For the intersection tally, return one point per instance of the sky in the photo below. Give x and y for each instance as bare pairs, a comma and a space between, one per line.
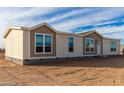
107, 21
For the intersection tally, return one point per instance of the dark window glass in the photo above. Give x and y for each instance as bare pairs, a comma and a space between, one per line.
43, 43
47, 49
70, 44
39, 49
92, 49
113, 46
114, 49
87, 49
90, 45
39, 43
111, 49
70, 49
48, 43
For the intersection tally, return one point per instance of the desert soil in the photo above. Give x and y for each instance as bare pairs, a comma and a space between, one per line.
87, 71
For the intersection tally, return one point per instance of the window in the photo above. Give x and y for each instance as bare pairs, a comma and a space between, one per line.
47, 43
90, 45
39, 43
113, 46
43, 43
71, 44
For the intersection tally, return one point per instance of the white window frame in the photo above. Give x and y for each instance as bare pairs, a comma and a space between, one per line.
43, 44
94, 45
73, 43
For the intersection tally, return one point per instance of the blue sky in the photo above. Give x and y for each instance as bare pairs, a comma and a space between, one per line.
107, 21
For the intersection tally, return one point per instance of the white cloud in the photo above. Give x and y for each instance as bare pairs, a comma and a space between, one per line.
11, 16
116, 36
94, 18
14, 13
110, 29
117, 32
72, 13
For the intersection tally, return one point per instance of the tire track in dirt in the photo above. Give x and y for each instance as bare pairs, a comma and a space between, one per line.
87, 79
53, 68
69, 72
51, 78
96, 79
13, 80
47, 76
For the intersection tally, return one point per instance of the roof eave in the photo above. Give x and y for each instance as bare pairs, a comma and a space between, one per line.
46, 24
110, 38
94, 31
15, 28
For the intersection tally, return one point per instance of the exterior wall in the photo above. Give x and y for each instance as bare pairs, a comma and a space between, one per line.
19, 45
26, 45
15, 60
62, 46
97, 38
14, 44
121, 49
107, 47
44, 30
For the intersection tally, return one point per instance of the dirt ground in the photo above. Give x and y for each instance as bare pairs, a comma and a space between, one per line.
87, 71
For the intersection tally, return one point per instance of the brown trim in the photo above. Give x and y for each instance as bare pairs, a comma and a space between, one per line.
97, 38
90, 32
44, 30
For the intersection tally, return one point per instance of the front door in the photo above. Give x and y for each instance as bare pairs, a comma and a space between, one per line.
98, 48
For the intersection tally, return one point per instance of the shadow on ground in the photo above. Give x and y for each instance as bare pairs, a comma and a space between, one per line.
112, 61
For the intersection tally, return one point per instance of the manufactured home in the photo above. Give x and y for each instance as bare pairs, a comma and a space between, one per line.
23, 44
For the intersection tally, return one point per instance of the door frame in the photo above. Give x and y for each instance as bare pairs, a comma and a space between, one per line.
99, 48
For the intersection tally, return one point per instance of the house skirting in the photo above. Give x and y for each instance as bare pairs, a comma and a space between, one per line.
14, 60
38, 61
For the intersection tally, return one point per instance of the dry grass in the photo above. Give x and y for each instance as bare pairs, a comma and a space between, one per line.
93, 71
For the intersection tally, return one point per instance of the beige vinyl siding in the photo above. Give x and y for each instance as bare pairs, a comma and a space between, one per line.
14, 44
107, 47
26, 44
62, 46
121, 49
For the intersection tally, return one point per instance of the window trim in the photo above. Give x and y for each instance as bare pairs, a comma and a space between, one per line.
68, 44
90, 48
43, 44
